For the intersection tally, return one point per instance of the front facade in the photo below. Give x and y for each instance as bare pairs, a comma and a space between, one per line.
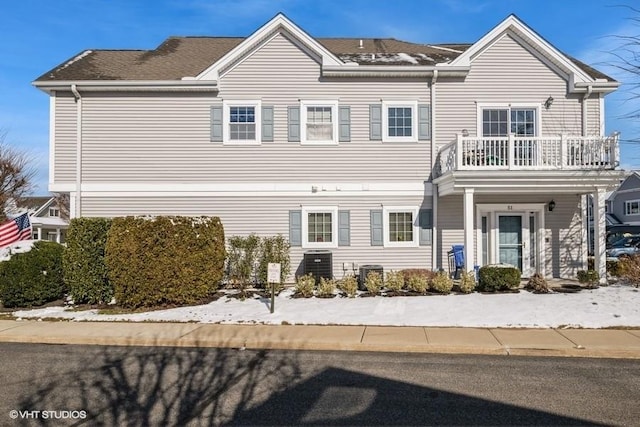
379, 151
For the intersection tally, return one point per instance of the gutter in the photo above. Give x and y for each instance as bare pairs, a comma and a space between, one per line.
585, 109
78, 100
187, 84
434, 195
393, 71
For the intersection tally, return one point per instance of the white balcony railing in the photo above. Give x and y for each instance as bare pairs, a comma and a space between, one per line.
529, 153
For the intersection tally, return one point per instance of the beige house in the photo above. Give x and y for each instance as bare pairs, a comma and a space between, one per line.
380, 151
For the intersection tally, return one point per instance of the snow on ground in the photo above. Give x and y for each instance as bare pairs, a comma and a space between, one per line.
610, 306
16, 248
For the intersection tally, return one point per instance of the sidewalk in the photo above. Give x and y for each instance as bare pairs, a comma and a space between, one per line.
614, 343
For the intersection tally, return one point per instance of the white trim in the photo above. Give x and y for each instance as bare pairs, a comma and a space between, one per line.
304, 105
44, 206
414, 121
628, 202
52, 137
306, 210
602, 119
226, 116
386, 210
481, 106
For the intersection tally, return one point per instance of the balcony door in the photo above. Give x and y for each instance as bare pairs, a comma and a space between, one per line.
518, 121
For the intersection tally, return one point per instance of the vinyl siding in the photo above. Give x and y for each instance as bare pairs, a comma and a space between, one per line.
507, 72
619, 210
65, 139
268, 216
563, 244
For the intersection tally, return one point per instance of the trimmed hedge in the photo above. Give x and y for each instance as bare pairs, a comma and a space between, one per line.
498, 278
85, 272
165, 260
34, 277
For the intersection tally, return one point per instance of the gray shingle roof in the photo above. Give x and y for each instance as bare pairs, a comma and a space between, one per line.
179, 57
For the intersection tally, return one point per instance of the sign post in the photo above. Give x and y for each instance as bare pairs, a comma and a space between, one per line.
273, 277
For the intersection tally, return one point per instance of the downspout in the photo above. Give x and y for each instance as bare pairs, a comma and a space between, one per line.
78, 100
585, 109
434, 188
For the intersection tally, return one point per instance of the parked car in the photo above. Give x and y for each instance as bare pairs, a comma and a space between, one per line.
626, 246
618, 231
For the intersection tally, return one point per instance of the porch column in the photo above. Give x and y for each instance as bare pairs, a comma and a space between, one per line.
39, 233
599, 234
469, 244
57, 235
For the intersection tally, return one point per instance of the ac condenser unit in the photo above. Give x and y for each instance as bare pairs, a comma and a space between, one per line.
319, 263
366, 269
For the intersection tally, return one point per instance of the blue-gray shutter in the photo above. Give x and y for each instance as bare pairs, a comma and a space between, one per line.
293, 124
216, 123
377, 238
375, 122
425, 223
344, 124
424, 122
344, 232
295, 228
267, 123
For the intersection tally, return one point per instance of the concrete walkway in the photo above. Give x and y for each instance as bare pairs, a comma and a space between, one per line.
535, 342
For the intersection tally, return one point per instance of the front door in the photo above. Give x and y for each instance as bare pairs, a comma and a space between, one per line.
513, 234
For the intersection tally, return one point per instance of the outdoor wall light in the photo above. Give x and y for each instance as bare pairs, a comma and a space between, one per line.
551, 206
548, 102
465, 133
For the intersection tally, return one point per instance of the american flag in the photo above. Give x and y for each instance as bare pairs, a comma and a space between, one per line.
16, 229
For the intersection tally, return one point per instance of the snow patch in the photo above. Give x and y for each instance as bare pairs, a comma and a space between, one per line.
16, 248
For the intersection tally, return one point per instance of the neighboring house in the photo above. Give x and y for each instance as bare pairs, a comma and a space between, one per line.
49, 220
624, 202
378, 150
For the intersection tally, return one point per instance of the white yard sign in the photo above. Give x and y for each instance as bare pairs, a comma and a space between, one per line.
273, 272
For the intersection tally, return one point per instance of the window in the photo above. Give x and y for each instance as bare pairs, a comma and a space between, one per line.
54, 212
520, 121
241, 122
400, 121
400, 226
632, 207
319, 122
320, 227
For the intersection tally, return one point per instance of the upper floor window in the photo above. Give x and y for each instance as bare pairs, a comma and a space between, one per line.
241, 122
400, 121
520, 121
54, 212
632, 207
319, 122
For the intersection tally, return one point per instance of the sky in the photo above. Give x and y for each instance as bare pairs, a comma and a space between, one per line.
38, 35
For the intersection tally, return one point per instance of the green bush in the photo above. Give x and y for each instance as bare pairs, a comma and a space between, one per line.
85, 273
467, 282
442, 283
589, 277
34, 277
165, 260
537, 283
305, 285
274, 249
394, 281
349, 285
242, 259
498, 278
327, 287
417, 283
373, 282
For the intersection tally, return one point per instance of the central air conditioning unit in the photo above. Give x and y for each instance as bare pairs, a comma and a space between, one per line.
319, 263
366, 269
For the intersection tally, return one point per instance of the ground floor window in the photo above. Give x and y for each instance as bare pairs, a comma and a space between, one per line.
400, 226
320, 227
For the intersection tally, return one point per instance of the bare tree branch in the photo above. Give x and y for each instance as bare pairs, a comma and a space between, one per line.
16, 174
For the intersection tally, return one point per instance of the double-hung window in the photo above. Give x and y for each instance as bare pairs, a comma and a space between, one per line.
320, 227
241, 122
400, 121
319, 122
632, 207
400, 226
54, 212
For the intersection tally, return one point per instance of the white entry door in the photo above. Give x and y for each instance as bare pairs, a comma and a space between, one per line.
514, 239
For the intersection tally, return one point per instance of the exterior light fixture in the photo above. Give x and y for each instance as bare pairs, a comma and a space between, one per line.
551, 206
548, 102
465, 133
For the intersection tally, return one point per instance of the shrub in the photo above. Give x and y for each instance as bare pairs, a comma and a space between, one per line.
428, 274
497, 278
629, 269
85, 272
613, 268
394, 281
327, 287
242, 259
373, 282
273, 249
537, 283
417, 283
349, 285
589, 277
305, 285
467, 282
442, 283
165, 260
34, 277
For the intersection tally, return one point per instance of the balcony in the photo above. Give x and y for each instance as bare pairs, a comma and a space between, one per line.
556, 153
